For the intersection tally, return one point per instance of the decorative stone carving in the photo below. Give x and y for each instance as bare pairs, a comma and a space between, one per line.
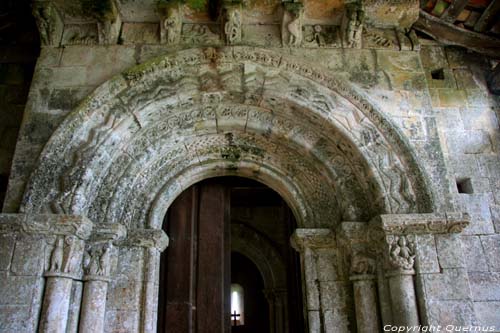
233, 24
171, 26
321, 36
402, 252
362, 264
352, 25
291, 30
56, 258
97, 260
49, 22
80, 34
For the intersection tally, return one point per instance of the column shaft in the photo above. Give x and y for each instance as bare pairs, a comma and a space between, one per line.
404, 301
55, 309
365, 299
93, 306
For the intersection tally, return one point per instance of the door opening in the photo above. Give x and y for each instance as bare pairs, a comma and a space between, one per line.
225, 233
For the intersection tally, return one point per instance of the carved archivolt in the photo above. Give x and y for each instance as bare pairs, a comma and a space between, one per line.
130, 148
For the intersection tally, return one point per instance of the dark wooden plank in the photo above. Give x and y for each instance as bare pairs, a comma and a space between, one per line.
489, 14
451, 13
211, 259
180, 224
450, 34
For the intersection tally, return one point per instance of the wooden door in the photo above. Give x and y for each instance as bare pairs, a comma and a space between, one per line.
195, 269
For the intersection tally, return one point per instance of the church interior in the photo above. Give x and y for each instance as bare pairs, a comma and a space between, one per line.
270, 166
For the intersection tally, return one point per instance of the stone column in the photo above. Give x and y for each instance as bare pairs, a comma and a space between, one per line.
98, 265
365, 293
65, 263
95, 287
278, 310
325, 292
400, 260
152, 242
395, 235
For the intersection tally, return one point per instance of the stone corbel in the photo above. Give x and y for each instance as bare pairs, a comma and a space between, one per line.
108, 23
232, 23
49, 22
171, 24
291, 24
352, 25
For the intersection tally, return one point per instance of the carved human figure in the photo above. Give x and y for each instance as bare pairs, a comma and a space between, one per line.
91, 261
70, 254
295, 29
173, 26
318, 37
56, 259
43, 14
232, 28
105, 260
354, 28
402, 253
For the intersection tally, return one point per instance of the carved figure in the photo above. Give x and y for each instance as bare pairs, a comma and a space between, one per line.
295, 30
402, 253
232, 28
91, 261
105, 259
361, 264
71, 254
173, 26
353, 27
43, 15
56, 259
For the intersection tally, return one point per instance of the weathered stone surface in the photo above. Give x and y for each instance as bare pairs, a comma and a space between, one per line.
485, 286
451, 284
450, 252
474, 254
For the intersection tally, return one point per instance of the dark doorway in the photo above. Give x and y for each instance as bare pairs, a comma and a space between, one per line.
198, 268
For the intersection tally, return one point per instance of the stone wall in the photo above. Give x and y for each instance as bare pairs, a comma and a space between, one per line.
468, 124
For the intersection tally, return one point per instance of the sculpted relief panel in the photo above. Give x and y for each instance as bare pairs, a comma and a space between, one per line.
230, 109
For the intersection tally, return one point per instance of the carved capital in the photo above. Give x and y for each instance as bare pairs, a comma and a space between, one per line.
399, 253
362, 264
99, 260
149, 238
66, 257
313, 239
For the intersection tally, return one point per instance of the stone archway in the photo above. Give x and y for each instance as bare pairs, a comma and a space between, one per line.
143, 137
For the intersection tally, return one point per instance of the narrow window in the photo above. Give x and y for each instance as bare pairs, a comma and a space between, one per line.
237, 305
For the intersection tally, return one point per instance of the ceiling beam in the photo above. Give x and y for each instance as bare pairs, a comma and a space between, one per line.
449, 34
